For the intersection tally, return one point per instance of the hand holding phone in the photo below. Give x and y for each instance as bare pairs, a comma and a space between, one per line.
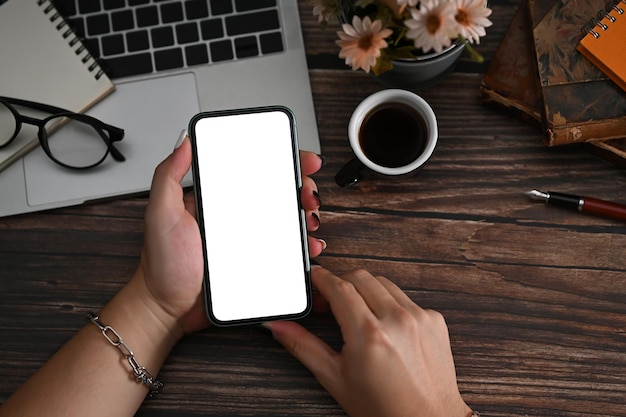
232, 150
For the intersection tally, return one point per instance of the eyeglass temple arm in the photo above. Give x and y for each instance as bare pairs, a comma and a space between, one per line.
117, 132
34, 105
115, 135
115, 153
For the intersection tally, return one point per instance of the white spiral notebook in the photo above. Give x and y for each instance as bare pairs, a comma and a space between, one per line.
44, 61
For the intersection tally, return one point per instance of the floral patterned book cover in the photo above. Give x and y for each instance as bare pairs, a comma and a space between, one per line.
580, 103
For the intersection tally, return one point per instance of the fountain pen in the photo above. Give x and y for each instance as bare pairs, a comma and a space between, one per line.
582, 204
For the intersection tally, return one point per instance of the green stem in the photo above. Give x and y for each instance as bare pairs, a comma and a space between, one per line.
399, 37
472, 52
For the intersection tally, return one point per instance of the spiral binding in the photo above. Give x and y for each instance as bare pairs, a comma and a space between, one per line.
73, 39
591, 25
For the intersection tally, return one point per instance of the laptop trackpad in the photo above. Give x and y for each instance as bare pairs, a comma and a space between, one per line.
152, 113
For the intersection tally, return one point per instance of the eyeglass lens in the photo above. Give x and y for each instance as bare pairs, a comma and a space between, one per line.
75, 143
8, 124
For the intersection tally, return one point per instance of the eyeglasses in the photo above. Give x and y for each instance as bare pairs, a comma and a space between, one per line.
82, 143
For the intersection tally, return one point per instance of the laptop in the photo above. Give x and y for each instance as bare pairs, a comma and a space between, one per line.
170, 60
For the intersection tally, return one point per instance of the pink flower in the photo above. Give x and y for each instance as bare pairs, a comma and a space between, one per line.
361, 42
471, 18
432, 26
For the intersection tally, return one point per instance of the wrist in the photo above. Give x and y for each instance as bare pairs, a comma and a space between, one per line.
145, 326
141, 373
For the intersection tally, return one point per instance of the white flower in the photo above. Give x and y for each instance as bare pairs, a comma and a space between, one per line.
325, 10
471, 18
432, 25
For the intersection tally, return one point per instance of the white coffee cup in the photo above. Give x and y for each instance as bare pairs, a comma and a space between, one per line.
392, 133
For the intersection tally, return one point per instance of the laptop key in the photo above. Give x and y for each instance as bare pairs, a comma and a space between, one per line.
168, 59
247, 5
219, 7
112, 44
196, 9
212, 29
122, 20
97, 25
88, 6
221, 51
187, 33
196, 54
113, 4
129, 65
147, 16
162, 36
137, 40
252, 22
271, 43
246, 47
172, 12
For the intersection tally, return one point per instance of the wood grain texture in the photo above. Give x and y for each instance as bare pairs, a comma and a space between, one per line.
535, 296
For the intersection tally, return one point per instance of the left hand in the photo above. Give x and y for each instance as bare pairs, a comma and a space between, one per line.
171, 261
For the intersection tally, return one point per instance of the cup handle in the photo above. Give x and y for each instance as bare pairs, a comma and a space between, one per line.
350, 173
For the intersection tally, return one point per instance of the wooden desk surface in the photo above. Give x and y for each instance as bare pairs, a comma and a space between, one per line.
535, 297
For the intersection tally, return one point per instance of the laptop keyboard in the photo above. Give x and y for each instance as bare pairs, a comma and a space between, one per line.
132, 37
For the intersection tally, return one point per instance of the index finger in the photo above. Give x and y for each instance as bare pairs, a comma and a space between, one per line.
347, 305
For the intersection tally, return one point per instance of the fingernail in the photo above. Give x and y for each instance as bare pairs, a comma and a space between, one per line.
317, 196
315, 264
323, 159
324, 244
317, 218
265, 330
181, 138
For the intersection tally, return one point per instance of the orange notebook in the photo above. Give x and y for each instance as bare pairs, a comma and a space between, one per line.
605, 42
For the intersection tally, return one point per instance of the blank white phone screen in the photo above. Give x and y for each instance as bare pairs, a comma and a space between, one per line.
255, 249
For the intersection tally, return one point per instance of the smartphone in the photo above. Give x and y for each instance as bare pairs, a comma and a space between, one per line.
246, 172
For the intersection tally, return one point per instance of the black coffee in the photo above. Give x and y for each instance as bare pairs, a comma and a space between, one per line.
393, 135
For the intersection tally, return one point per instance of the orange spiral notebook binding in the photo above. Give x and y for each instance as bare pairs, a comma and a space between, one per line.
604, 42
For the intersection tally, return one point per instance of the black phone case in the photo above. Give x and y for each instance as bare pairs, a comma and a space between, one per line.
199, 211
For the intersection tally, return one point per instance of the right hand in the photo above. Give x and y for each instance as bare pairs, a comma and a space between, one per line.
396, 360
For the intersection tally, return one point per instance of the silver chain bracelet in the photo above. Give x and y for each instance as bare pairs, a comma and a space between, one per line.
142, 375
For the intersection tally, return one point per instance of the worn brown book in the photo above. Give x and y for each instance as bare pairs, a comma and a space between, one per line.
580, 103
510, 83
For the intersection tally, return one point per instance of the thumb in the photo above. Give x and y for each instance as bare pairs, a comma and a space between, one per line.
166, 192
309, 349
170, 172
178, 163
